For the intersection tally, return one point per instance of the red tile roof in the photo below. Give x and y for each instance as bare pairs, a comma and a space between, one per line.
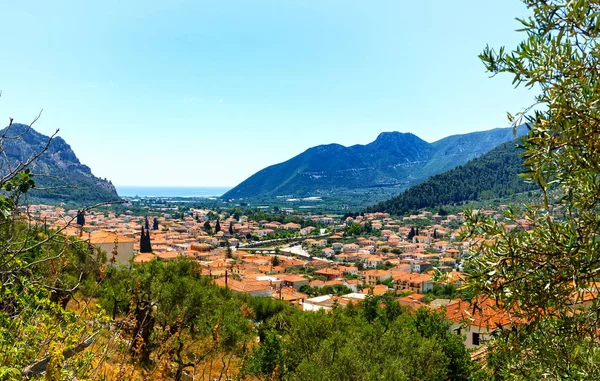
485, 313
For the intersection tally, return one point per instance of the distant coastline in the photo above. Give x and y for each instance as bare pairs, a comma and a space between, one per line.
167, 191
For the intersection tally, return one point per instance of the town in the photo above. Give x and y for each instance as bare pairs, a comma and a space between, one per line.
323, 262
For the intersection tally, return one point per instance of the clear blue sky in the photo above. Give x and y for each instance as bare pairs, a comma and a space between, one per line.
208, 92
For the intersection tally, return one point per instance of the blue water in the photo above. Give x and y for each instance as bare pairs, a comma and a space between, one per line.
141, 191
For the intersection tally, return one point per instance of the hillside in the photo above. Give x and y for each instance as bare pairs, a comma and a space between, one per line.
493, 175
58, 168
394, 159
466, 147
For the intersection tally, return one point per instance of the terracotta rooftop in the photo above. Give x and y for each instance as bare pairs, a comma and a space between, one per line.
100, 237
484, 314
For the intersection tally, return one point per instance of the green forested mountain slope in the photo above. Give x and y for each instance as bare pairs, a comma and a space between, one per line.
394, 159
492, 175
457, 149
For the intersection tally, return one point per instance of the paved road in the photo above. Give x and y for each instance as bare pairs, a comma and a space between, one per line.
295, 239
297, 250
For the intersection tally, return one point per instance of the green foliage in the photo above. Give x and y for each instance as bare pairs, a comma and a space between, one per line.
182, 302
377, 340
207, 227
30, 322
267, 359
167, 318
40, 271
542, 270
353, 229
275, 260
338, 289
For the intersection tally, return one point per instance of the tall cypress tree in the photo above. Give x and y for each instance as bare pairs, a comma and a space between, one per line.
142, 241
145, 246
148, 244
231, 228
411, 234
80, 218
155, 224
229, 251
147, 223
218, 227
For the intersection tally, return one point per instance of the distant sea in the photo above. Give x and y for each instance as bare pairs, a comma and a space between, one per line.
141, 191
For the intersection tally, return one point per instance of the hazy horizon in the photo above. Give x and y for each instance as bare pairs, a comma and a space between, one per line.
170, 191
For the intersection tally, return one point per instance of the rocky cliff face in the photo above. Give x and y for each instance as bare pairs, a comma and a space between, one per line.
57, 169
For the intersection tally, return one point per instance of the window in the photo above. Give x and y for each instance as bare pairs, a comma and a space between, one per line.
475, 338
457, 331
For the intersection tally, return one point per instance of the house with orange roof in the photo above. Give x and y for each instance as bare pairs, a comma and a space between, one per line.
328, 302
347, 257
350, 248
432, 257
376, 290
329, 273
452, 253
366, 242
447, 261
307, 230
289, 262
372, 261
413, 301
290, 295
402, 267
254, 288
328, 252
317, 283
292, 280
348, 269
109, 241
317, 264
272, 225
419, 283
373, 277
144, 257
336, 282
367, 250
190, 254
277, 269
167, 255
321, 243
477, 322
292, 226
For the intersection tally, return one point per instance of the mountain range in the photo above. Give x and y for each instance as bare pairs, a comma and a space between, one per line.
58, 169
493, 175
394, 159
